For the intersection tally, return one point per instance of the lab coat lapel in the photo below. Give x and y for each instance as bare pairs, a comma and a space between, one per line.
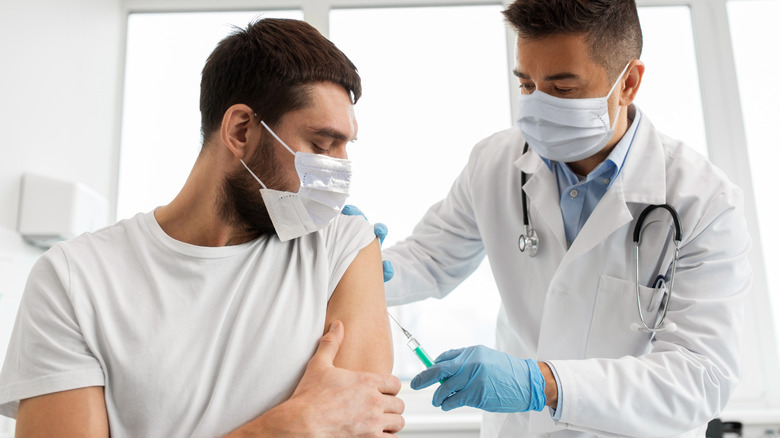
541, 189
642, 180
610, 214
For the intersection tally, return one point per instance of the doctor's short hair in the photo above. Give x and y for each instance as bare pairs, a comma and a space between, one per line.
614, 34
270, 66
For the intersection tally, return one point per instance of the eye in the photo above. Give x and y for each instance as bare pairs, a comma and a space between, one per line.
527, 88
317, 149
563, 91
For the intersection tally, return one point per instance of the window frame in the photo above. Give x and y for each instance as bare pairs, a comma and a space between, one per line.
724, 126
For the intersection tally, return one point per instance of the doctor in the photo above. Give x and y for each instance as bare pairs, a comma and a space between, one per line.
571, 359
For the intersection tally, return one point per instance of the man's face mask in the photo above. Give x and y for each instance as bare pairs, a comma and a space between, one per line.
322, 195
566, 130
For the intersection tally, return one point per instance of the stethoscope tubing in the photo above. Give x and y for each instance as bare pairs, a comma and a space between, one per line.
530, 241
659, 326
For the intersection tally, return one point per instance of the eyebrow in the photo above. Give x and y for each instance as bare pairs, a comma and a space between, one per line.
330, 133
555, 77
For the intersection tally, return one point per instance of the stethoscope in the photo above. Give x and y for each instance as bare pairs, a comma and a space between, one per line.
529, 241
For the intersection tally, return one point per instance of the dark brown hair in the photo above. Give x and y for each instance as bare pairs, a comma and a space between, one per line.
270, 67
613, 32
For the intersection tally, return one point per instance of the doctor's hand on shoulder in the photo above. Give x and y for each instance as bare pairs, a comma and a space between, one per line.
333, 402
490, 380
380, 231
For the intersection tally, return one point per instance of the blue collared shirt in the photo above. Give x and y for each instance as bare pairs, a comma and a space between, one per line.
579, 195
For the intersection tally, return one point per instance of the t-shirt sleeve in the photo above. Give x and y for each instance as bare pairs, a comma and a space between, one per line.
345, 237
47, 352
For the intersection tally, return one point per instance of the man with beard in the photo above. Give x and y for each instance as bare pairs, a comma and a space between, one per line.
199, 317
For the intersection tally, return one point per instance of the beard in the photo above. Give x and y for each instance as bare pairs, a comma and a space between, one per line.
241, 203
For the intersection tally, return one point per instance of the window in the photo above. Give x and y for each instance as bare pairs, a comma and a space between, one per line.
751, 22
670, 93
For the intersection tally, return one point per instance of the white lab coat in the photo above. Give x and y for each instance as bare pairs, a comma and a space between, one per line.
574, 307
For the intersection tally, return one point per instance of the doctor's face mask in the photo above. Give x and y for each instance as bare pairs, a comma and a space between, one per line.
324, 189
566, 130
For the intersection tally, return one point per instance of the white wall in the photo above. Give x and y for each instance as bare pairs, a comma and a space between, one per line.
60, 65
59, 85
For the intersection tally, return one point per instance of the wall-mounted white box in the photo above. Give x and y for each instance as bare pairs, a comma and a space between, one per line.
51, 210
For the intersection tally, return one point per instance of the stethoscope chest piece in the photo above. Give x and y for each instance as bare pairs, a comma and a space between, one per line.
528, 241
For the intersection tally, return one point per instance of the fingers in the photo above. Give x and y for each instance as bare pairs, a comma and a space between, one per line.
456, 400
458, 383
447, 364
393, 405
351, 210
329, 345
387, 270
449, 355
389, 384
393, 423
433, 374
380, 231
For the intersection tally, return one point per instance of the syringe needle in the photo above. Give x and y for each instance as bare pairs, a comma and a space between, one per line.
406, 333
414, 345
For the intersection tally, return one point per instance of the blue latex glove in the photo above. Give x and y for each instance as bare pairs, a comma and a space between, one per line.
484, 378
380, 231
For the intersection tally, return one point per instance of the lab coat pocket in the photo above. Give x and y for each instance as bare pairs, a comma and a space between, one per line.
611, 333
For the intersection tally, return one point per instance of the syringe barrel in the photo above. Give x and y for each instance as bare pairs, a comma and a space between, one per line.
418, 350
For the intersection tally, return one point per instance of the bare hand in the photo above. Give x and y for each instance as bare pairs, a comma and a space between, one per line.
334, 402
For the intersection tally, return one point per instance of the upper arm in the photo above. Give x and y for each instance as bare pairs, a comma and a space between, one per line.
74, 413
359, 302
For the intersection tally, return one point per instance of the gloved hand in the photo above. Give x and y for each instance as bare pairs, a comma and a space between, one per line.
484, 378
380, 231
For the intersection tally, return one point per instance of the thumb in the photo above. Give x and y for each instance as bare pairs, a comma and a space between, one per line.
329, 345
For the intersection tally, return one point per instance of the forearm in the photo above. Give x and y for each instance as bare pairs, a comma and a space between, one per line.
550, 385
286, 420
444, 249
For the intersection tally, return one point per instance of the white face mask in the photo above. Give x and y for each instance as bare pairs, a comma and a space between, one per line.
323, 193
566, 130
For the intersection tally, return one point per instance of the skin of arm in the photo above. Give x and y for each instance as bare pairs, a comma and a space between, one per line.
550, 385
75, 413
359, 302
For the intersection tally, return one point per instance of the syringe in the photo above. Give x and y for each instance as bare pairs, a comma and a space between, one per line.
414, 345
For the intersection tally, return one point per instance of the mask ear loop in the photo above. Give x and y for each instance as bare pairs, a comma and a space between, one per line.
253, 174
613, 89
277, 137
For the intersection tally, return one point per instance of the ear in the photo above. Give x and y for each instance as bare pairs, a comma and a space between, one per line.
631, 82
238, 130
